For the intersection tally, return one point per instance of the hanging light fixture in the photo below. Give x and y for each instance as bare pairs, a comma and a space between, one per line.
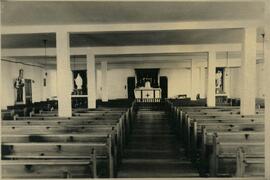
45, 59
263, 56
263, 35
45, 55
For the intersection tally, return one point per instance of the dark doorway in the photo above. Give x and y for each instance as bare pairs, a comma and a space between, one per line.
28, 91
164, 86
131, 87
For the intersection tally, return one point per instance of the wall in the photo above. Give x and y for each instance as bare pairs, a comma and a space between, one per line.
10, 71
179, 81
235, 81
51, 84
117, 82
260, 80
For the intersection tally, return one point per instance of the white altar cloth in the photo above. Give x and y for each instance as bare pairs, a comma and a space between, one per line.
147, 93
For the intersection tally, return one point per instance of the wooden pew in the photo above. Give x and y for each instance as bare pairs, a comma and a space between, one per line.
35, 168
78, 125
21, 109
206, 143
233, 122
38, 131
77, 118
52, 147
186, 118
199, 128
224, 155
191, 126
249, 165
7, 114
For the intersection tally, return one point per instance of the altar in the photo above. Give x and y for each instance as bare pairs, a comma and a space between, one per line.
147, 93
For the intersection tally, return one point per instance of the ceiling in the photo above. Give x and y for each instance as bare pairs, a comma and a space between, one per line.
17, 13
131, 58
128, 38
94, 12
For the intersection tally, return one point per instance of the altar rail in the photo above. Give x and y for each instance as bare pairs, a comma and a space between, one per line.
148, 100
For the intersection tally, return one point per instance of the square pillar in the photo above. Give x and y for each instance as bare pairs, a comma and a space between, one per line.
104, 83
211, 84
63, 74
202, 82
227, 81
1, 84
248, 71
91, 80
266, 82
194, 79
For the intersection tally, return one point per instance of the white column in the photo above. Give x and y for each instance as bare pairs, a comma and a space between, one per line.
63, 74
248, 72
202, 82
91, 80
266, 82
1, 85
211, 84
104, 83
194, 80
227, 81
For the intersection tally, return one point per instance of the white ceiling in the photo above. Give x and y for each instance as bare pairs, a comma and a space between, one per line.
81, 12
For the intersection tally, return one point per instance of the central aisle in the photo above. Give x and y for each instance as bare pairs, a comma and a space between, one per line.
153, 150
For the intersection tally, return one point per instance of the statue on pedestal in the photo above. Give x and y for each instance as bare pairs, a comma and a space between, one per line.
78, 82
147, 85
18, 85
218, 82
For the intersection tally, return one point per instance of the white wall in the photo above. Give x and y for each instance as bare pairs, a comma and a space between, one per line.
236, 79
117, 82
179, 81
51, 88
235, 82
259, 80
10, 71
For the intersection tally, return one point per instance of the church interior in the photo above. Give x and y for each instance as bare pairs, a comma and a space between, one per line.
135, 89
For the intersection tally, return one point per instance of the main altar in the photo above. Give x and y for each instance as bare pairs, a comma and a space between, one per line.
147, 93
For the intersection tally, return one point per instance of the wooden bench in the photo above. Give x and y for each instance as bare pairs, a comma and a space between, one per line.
191, 125
47, 126
44, 147
224, 155
47, 142
197, 129
7, 114
250, 165
60, 168
196, 125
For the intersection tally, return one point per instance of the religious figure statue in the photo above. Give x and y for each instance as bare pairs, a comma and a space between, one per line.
79, 82
218, 81
147, 85
18, 85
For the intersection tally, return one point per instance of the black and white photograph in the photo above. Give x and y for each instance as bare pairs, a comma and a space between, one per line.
126, 89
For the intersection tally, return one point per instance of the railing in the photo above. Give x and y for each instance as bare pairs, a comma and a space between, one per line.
148, 100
